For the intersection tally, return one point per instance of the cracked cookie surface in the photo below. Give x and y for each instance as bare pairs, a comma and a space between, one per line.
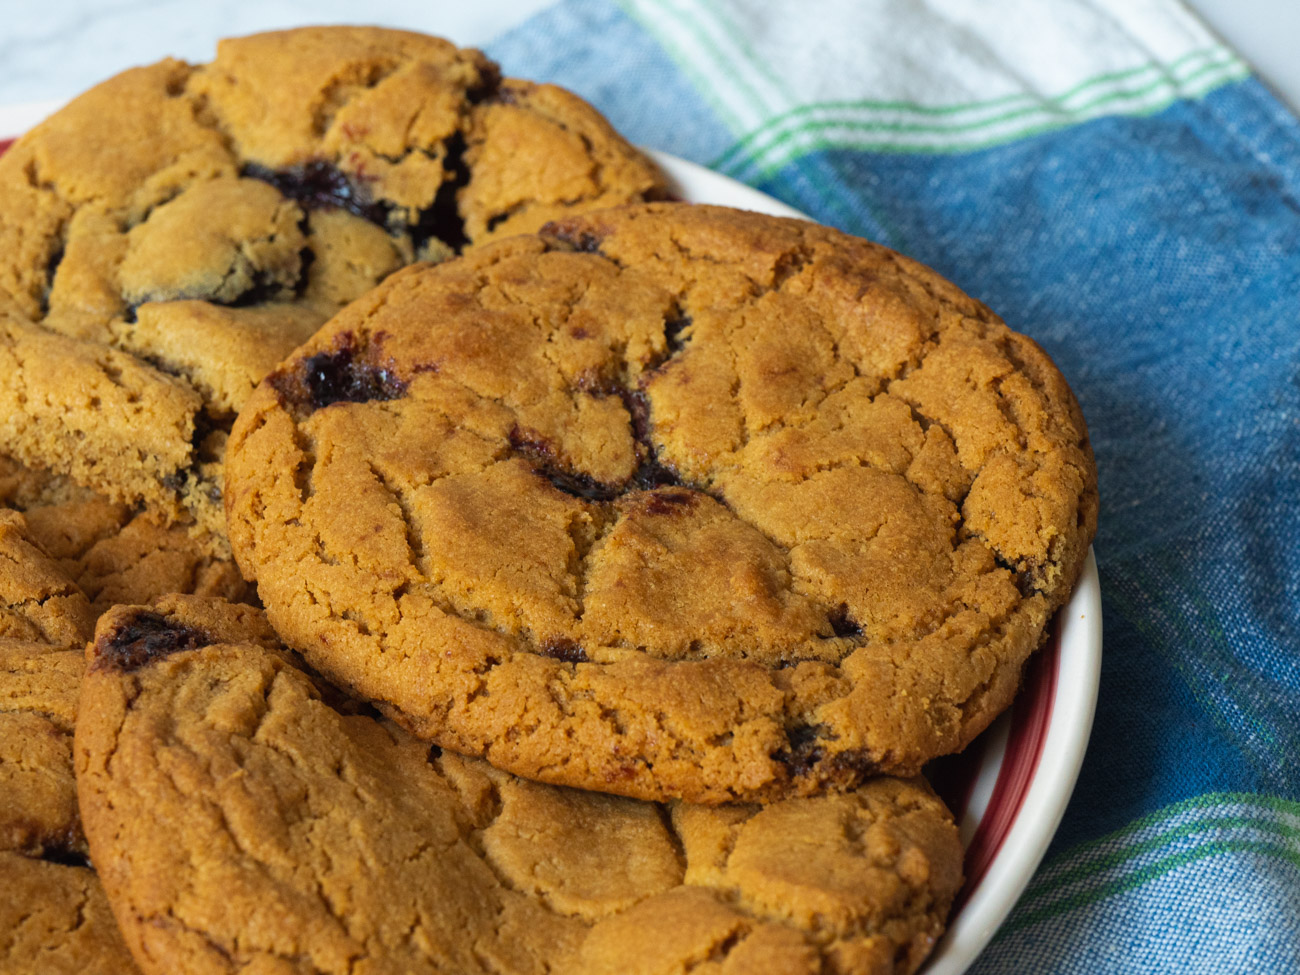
55, 920
38, 710
174, 232
39, 602
112, 552
244, 823
53, 915
673, 502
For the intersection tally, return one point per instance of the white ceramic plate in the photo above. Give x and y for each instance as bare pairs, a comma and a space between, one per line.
1009, 789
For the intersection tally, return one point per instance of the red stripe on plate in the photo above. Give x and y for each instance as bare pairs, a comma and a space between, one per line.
1030, 718
5, 144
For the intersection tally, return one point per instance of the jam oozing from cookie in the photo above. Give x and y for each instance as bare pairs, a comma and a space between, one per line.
488, 87
318, 185
673, 329
443, 220
805, 753
582, 241
51, 269
344, 374
650, 473
145, 637
804, 750
65, 857
671, 502
564, 649
541, 454
267, 287
842, 623
339, 377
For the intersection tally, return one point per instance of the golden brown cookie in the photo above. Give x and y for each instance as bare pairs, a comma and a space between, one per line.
671, 501
115, 554
53, 916
172, 233
54, 920
38, 601
39, 685
241, 823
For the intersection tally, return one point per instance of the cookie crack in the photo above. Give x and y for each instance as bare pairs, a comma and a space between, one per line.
331, 104
584, 542
418, 554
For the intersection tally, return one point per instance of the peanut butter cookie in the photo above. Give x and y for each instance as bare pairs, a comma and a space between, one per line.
173, 233
113, 552
669, 501
54, 920
242, 823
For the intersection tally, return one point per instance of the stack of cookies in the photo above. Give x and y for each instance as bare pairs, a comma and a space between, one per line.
480, 566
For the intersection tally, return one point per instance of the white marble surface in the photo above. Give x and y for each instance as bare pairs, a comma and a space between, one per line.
52, 49
1266, 33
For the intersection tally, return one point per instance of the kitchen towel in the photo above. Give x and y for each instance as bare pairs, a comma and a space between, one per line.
1112, 181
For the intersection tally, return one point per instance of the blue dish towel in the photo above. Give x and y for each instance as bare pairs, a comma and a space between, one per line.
1113, 182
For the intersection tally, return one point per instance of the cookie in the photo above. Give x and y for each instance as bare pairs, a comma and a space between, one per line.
38, 709
53, 915
245, 824
174, 232
114, 554
55, 920
39, 688
38, 601
672, 502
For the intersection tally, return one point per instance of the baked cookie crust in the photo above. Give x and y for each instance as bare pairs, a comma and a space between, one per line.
112, 552
55, 920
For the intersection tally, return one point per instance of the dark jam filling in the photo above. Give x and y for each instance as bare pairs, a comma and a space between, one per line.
650, 472
345, 374
319, 186
842, 624
803, 749
338, 377
266, 288
804, 755
673, 330
65, 858
564, 649
144, 637
443, 220
582, 241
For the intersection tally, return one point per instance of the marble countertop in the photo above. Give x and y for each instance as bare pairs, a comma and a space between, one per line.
53, 49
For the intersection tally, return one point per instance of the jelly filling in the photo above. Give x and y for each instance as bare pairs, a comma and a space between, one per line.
442, 219
842, 624
317, 185
344, 374
564, 649
145, 637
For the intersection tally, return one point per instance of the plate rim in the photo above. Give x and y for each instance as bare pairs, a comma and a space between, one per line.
1076, 686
